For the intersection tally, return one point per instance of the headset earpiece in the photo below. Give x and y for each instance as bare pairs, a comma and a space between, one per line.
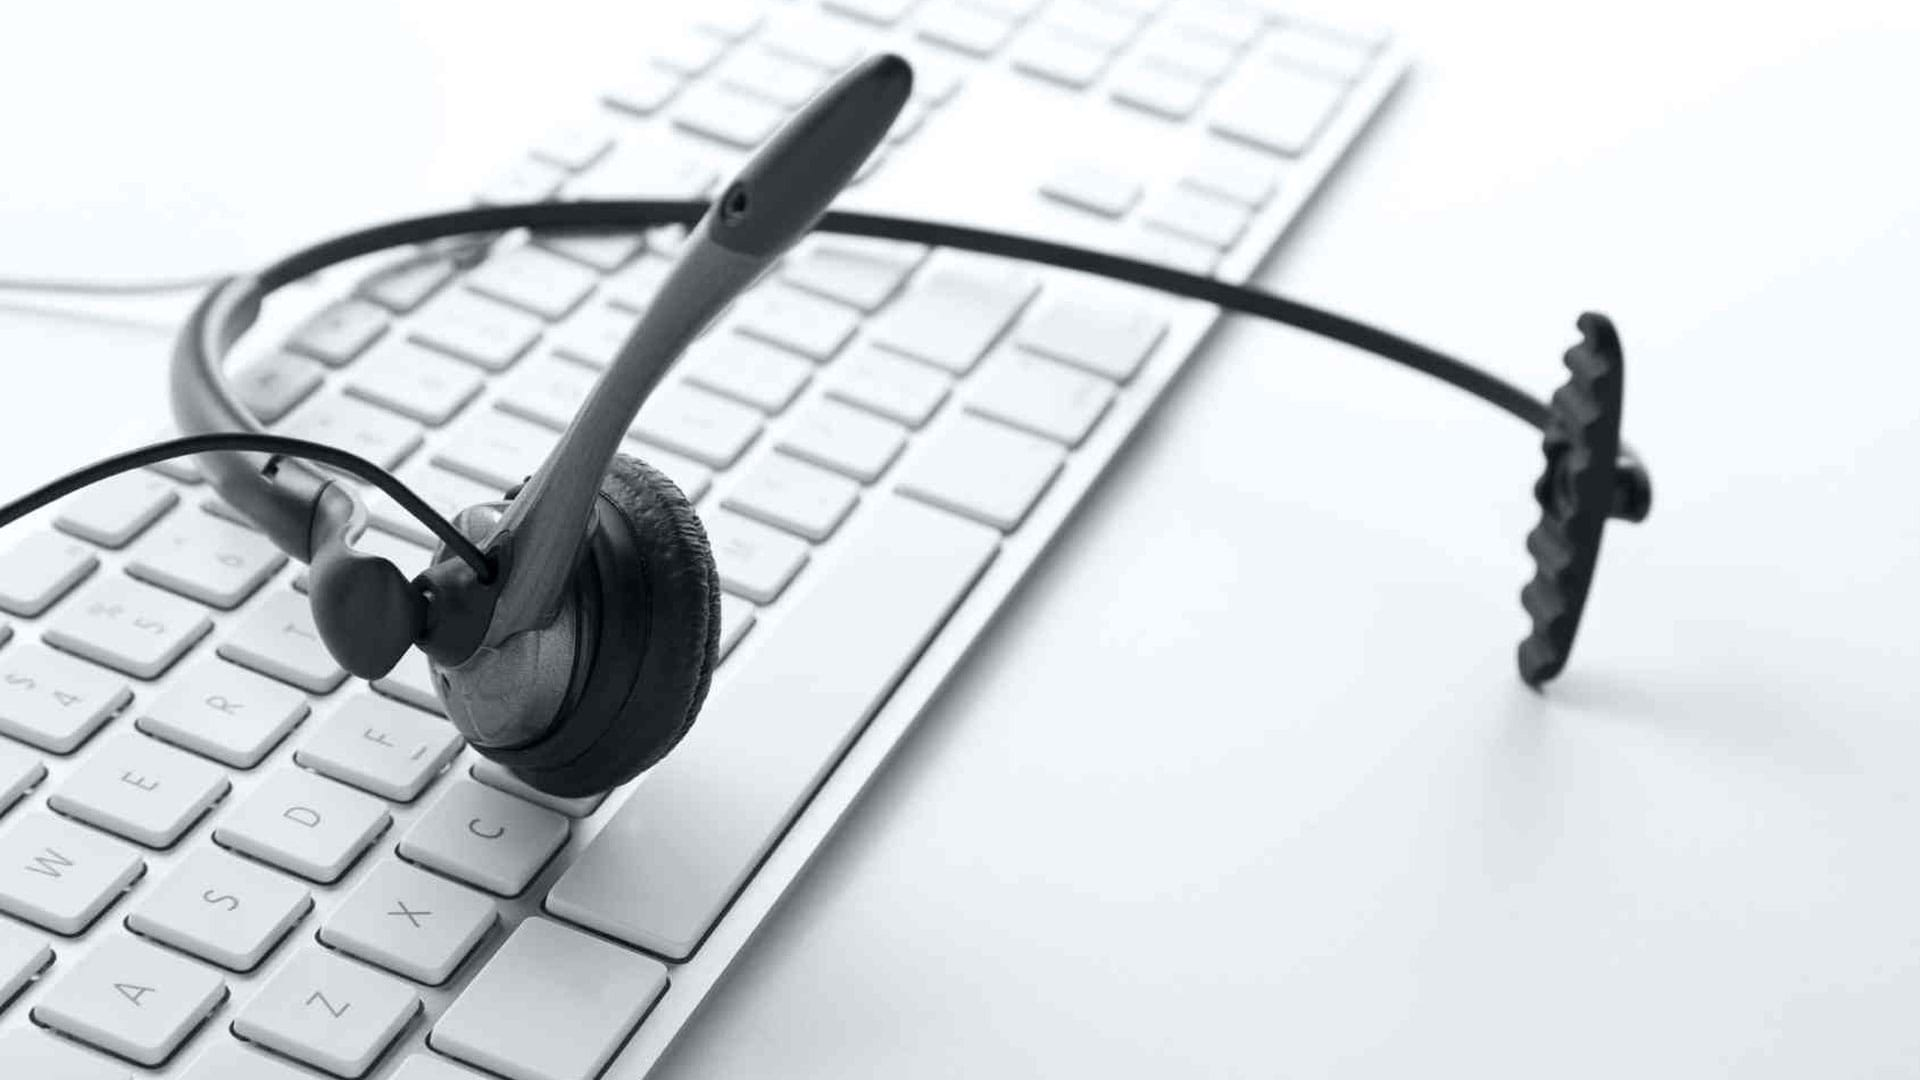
645, 601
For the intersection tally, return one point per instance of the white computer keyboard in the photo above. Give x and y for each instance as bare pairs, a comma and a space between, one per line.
219, 857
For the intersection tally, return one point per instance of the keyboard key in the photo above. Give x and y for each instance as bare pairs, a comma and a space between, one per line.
224, 712
893, 386
381, 747
709, 429
20, 772
132, 999
1059, 57
277, 638
1167, 249
726, 116
129, 627
645, 91
1040, 395
410, 922
1162, 93
140, 790
411, 681
42, 568
965, 29
527, 180
487, 838
1231, 172
221, 908
117, 509
303, 824
672, 857
547, 390
446, 492
24, 954
60, 876
878, 12
647, 168
407, 284
954, 312
533, 280
1328, 57
1276, 109
475, 329
864, 273
685, 52
1093, 23
845, 439
575, 147
754, 560
537, 973
230, 1059
731, 20
773, 79
53, 701
204, 558
736, 618
415, 382
595, 335
27, 1052
807, 324
761, 375
497, 450
270, 387
341, 332
1189, 56
605, 252
823, 43
1104, 333
1196, 215
1230, 24
982, 469
356, 427
328, 1012
794, 496
1091, 187
497, 777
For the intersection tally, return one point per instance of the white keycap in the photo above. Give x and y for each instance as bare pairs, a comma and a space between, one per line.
810, 325
864, 273
1230, 24
1009, 9
537, 974
356, 427
605, 252
845, 439
727, 116
692, 478
406, 284
496, 776
475, 329
20, 772
341, 332
1276, 109
277, 638
116, 509
794, 496
533, 280
1093, 22
878, 12
969, 30
675, 853
411, 681
380, 746
686, 51
575, 147
1092, 187
644, 91
736, 618
954, 312
53, 701
409, 922
1187, 55
224, 712
495, 449
230, 1059
707, 428
328, 1012
648, 167
271, 386
547, 390
824, 43
1060, 57
1329, 57
1196, 215
478, 834
23, 955
729, 19
982, 469
139, 789
594, 335
1160, 246
1162, 93
41, 568
304, 824
60, 876
27, 1052
131, 998
221, 908
761, 375
1106, 333
756, 561
525, 180
1040, 395
446, 492
1231, 172
888, 384
773, 79
414, 381
207, 559
635, 287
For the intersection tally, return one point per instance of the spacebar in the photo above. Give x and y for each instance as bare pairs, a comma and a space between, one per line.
695, 827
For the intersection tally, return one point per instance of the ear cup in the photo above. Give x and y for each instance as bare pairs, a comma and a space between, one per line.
647, 597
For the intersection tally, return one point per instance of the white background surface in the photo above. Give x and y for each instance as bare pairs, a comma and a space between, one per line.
1245, 785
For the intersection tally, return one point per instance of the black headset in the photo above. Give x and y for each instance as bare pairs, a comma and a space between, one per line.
573, 626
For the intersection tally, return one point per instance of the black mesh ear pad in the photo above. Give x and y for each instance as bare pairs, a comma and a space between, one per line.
648, 600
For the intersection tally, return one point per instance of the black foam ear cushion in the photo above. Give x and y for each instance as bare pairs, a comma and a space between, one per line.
648, 597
